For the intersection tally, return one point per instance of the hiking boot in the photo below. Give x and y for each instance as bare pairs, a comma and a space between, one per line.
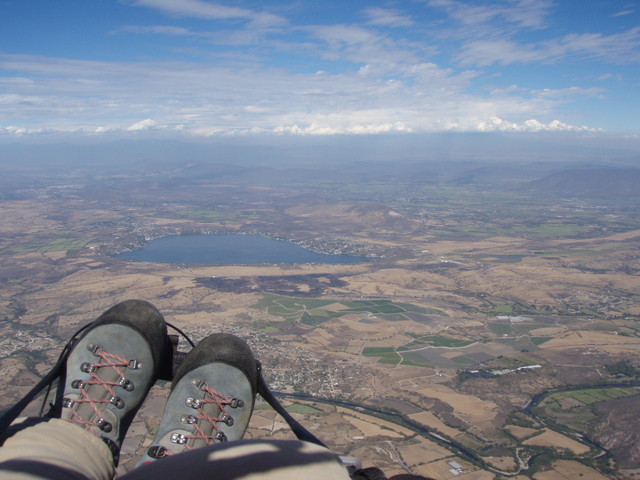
211, 398
111, 368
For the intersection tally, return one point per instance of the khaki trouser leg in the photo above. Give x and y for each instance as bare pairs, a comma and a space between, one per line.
247, 460
56, 450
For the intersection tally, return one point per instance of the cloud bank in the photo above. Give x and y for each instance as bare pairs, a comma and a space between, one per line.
215, 69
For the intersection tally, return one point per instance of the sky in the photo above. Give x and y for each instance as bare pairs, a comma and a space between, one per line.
201, 69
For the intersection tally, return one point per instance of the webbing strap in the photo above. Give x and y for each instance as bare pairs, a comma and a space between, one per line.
300, 432
13, 413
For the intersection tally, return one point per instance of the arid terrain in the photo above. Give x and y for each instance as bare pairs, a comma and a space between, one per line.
494, 334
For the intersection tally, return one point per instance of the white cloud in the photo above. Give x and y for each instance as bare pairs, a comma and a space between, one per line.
13, 130
503, 51
565, 93
351, 129
361, 45
203, 99
497, 124
523, 13
158, 29
618, 48
623, 13
387, 17
610, 76
142, 125
211, 11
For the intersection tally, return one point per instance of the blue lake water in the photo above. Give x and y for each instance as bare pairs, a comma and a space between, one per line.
231, 249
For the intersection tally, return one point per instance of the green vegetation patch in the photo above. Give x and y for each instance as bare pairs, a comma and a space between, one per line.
393, 317
462, 360
211, 215
526, 327
51, 241
503, 309
414, 359
558, 230
30, 359
500, 328
624, 369
313, 320
312, 311
391, 358
375, 309
411, 308
437, 341
515, 258
300, 408
376, 351
589, 396
440, 341
399, 356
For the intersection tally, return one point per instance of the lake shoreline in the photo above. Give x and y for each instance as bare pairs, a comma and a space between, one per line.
231, 249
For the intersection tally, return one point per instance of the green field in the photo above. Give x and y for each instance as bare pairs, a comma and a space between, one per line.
589, 396
294, 408
578, 416
404, 355
500, 328
312, 311
300, 408
210, 215
391, 356
54, 241
377, 351
435, 341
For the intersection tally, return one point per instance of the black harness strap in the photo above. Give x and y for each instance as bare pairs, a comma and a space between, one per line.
300, 432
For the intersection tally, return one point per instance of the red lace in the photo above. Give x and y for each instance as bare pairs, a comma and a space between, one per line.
220, 400
106, 360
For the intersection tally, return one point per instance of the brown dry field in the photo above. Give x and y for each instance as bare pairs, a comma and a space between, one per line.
84, 294
480, 413
430, 420
372, 427
440, 470
600, 340
549, 438
521, 432
423, 452
88, 284
569, 470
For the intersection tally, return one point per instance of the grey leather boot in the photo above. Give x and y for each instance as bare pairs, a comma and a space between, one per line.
111, 368
211, 398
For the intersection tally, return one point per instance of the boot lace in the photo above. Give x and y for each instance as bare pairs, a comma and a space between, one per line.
202, 418
98, 376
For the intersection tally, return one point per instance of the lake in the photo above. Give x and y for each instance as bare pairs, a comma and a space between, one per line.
229, 249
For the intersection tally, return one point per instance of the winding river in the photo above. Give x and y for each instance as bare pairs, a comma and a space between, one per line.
460, 449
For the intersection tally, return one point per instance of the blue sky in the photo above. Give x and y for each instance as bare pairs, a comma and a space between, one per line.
198, 68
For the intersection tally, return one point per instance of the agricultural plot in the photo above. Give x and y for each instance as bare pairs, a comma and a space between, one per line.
44, 242
210, 215
440, 351
520, 330
310, 311
574, 408
437, 341
533, 230
588, 396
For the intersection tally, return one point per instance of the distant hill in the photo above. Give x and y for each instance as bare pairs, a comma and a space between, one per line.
590, 183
